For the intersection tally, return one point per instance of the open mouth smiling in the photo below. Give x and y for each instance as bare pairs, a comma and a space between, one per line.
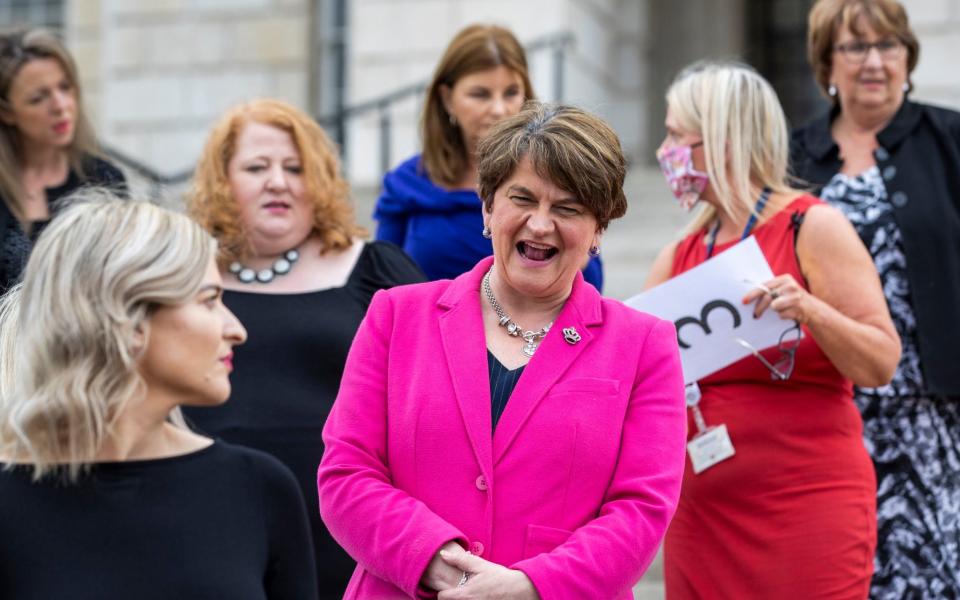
537, 252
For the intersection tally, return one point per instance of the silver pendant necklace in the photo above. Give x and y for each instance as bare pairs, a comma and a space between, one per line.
281, 266
531, 339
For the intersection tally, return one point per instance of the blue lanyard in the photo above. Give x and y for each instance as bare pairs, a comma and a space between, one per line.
751, 222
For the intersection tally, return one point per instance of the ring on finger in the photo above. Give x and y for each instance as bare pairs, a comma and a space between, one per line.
774, 294
463, 579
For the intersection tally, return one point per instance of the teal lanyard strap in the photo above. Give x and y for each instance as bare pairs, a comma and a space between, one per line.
751, 222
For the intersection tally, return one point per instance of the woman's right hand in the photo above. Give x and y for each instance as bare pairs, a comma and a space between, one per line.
440, 576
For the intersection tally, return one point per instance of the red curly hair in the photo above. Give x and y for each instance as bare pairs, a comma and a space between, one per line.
211, 203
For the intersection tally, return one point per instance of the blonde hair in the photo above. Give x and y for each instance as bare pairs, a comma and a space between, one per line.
829, 17
573, 149
90, 286
211, 203
18, 47
475, 48
744, 131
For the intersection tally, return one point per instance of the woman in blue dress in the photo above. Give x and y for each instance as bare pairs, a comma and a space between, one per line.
429, 204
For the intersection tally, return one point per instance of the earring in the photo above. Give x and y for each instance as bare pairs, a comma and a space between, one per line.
832, 90
453, 120
906, 87
486, 232
594, 251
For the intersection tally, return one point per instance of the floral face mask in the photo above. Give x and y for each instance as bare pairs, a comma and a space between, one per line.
685, 182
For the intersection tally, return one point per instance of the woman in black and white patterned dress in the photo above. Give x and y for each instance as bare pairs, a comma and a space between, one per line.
893, 167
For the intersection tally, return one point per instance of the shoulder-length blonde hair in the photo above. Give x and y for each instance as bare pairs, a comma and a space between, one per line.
17, 48
211, 203
475, 48
90, 286
744, 132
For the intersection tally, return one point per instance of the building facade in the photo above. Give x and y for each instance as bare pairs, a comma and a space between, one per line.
157, 73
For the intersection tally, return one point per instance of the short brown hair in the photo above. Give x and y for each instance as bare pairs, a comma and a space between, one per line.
573, 149
475, 48
211, 202
829, 17
18, 46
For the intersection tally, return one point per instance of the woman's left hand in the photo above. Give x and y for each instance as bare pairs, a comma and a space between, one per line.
487, 580
784, 295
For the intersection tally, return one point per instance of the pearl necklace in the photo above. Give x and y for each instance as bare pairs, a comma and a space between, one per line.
281, 266
531, 339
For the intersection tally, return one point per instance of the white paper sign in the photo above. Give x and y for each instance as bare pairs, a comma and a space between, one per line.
705, 304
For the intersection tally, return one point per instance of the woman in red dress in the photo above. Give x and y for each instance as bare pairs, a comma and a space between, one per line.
791, 514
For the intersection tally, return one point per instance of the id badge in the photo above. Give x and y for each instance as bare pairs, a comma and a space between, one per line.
710, 447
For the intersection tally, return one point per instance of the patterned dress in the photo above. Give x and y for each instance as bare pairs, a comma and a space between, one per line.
912, 437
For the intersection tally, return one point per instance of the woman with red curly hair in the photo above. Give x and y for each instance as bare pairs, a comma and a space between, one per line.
298, 275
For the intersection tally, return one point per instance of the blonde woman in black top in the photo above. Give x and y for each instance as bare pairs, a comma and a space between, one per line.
104, 493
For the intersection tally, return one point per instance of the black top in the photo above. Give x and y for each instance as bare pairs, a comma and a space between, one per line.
919, 160
222, 522
287, 375
502, 383
15, 244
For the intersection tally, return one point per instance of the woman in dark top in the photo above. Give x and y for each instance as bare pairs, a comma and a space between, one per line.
297, 274
46, 145
892, 166
104, 494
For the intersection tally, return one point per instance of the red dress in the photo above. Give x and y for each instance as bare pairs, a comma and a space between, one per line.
792, 514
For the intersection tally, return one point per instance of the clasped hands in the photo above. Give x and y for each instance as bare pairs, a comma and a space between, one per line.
485, 579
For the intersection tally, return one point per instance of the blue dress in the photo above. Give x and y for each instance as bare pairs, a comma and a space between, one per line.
439, 229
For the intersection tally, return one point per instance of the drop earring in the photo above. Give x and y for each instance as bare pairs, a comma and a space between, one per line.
453, 119
832, 91
486, 232
906, 87
594, 251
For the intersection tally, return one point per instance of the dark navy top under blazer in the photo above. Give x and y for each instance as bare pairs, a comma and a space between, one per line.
438, 228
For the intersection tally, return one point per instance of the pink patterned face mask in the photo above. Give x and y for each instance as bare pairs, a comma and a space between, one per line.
685, 182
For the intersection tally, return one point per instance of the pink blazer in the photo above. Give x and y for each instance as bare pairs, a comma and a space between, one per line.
575, 487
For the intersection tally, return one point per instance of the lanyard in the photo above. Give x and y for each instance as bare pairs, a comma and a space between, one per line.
751, 222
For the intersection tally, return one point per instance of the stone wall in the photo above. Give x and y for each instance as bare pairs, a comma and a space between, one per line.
937, 24
157, 73
393, 44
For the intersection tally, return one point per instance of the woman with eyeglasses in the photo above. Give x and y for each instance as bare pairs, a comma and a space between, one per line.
791, 513
892, 166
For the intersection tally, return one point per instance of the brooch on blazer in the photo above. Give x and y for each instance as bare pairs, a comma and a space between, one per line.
570, 335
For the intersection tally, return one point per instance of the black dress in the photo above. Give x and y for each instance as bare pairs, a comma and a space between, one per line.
221, 522
287, 374
16, 244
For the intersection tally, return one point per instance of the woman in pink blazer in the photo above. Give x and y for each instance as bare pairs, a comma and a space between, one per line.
510, 433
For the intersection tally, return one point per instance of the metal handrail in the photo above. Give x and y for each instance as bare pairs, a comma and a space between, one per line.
559, 43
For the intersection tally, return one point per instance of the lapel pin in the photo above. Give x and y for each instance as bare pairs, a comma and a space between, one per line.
570, 334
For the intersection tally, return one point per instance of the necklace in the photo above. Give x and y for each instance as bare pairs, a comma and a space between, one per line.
281, 266
531, 339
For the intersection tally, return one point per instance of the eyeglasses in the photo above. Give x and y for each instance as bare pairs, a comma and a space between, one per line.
789, 342
856, 52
